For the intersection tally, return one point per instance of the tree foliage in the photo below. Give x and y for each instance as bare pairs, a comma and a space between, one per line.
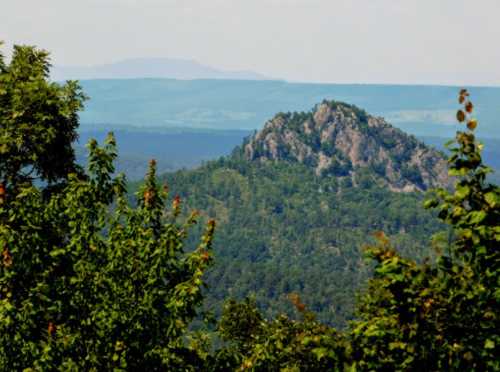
284, 229
445, 315
38, 120
280, 344
87, 281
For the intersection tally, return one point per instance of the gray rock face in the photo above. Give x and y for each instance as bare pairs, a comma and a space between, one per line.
343, 141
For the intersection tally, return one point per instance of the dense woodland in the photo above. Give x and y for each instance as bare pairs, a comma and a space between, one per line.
92, 281
284, 230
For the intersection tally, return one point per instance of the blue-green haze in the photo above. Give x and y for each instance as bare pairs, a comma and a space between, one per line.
239, 104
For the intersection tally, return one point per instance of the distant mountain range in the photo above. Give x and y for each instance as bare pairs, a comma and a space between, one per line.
238, 104
150, 68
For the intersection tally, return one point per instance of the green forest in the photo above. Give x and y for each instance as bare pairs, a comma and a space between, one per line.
236, 265
284, 230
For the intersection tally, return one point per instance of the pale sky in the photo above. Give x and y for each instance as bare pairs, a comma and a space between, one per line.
340, 41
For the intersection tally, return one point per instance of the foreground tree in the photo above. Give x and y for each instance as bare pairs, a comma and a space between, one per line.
83, 288
38, 120
446, 315
87, 282
280, 344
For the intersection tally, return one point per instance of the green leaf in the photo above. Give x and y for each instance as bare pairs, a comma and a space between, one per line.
476, 217
492, 198
489, 344
58, 252
320, 352
432, 203
462, 191
455, 172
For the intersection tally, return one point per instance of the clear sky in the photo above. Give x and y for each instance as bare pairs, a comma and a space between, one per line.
344, 41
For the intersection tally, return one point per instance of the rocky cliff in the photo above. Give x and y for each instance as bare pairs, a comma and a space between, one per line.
341, 140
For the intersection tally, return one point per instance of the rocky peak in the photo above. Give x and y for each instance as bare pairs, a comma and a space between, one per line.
341, 140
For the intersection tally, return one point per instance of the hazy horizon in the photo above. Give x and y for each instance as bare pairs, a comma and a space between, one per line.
339, 41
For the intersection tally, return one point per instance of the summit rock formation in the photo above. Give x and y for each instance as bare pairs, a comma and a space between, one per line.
341, 140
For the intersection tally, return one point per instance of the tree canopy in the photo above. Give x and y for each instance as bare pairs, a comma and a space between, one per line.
87, 281
38, 120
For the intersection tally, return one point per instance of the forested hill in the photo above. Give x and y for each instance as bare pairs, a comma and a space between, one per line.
341, 140
287, 226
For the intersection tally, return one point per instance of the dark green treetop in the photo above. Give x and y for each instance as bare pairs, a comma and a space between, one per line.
38, 120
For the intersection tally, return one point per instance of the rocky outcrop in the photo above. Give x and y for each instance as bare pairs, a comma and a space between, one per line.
341, 140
